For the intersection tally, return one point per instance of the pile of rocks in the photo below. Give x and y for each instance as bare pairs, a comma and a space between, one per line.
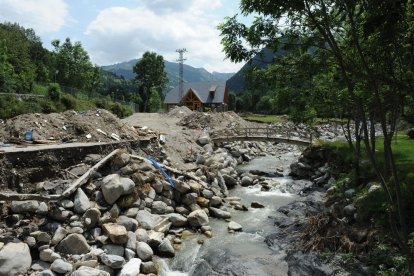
115, 223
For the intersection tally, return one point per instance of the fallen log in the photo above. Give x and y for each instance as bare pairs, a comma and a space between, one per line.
70, 190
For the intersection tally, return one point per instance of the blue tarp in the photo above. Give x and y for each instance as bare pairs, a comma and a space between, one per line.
162, 170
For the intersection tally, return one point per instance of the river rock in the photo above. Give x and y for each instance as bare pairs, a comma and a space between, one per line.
28, 206
93, 214
41, 236
159, 207
81, 202
215, 201
131, 268
148, 268
349, 210
207, 194
144, 251
15, 259
45, 272
230, 181
89, 271
204, 139
256, 204
117, 233
113, 261
198, 218
73, 244
113, 249
113, 186
142, 235
177, 220
66, 203
165, 249
181, 186
129, 223
246, 181
61, 266
349, 193
218, 213
155, 238
190, 198
234, 226
147, 220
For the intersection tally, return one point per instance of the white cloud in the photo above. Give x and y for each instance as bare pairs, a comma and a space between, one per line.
120, 33
41, 15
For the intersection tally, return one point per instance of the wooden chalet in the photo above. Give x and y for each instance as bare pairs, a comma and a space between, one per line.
201, 96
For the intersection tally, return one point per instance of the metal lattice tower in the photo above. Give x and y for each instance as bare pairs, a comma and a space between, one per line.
181, 60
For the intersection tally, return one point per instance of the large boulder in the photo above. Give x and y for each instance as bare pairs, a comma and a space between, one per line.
15, 259
144, 251
81, 202
165, 249
74, 244
131, 268
198, 218
218, 213
114, 186
117, 233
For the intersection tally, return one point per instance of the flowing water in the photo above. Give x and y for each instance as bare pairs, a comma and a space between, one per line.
241, 253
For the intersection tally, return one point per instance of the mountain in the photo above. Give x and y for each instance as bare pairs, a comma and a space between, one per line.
266, 56
191, 74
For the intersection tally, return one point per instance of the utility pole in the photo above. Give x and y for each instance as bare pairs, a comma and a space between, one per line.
180, 61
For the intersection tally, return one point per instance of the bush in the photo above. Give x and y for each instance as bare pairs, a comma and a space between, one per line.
53, 92
120, 110
68, 101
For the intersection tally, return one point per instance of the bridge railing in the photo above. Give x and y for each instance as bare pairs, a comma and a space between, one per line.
268, 132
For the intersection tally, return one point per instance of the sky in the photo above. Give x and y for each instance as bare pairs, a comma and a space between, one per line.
114, 31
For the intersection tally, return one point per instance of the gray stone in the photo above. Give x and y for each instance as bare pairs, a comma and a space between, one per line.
147, 220
47, 255
93, 214
190, 198
41, 236
154, 238
39, 266
113, 261
129, 223
181, 186
200, 159
234, 226
73, 244
81, 202
15, 259
43, 208
198, 218
28, 206
66, 203
349, 210
207, 194
255, 204
114, 249
142, 235
148, 268
204, 139
182, 210
61, 266
177, 220
117, 233
246, 181
215, 201
46, 272
112, 188
159, 207
229, 180
349, 193
129, 254
218, 213
131, 268
132, 241
127, 184
158, 186
30, 241
89, 271
165, 249
144, 251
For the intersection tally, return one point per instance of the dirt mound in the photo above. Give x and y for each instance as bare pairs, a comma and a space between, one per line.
180, 111
89, 126
213, 120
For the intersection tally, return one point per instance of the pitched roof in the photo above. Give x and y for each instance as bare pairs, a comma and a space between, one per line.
201, 89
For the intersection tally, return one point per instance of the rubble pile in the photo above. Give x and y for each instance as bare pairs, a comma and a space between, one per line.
180, 111
125, 214
201, 120
96, 125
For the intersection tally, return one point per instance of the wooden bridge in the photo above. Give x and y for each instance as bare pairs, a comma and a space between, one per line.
258, 134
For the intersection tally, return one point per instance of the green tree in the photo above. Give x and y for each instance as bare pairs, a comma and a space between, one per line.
155, 101
370, 44
150, 74
6, 70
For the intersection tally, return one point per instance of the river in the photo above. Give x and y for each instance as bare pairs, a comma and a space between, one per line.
240, 253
